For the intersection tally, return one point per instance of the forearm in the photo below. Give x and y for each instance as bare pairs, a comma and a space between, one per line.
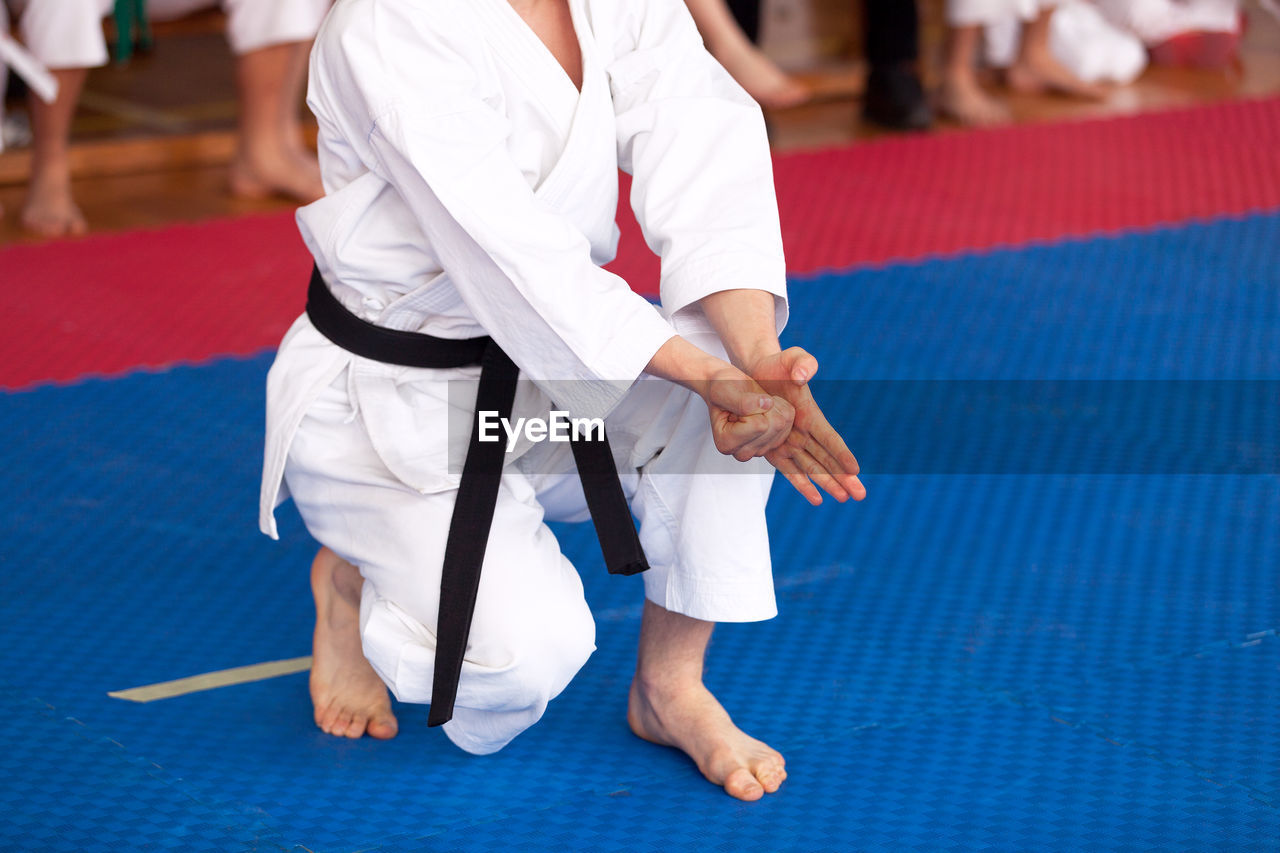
745, 322
683, 363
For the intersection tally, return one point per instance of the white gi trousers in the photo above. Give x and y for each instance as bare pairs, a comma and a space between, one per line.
68, 33
1079, 36
968, 13
702, 525
1155, 21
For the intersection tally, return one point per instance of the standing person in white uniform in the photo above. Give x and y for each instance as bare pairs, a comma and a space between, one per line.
470, 150
1034, 68
270, 39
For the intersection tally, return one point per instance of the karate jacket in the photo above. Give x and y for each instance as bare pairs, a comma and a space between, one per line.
471, 190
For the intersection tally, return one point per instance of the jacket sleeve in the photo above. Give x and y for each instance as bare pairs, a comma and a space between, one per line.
696, 146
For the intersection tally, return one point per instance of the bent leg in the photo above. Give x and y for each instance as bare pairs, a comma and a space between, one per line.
272, 42
702, 524
50, 210
962, 96
270, 158
670, 705
66, 36
1036, 69
531, 631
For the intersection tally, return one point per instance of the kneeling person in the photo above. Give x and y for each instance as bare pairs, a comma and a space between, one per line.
470, 158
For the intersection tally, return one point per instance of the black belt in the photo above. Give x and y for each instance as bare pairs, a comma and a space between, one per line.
481, 474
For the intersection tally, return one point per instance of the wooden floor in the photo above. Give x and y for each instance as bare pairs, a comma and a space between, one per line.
152, 139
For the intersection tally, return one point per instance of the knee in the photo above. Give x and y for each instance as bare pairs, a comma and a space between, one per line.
535, 654
508, 680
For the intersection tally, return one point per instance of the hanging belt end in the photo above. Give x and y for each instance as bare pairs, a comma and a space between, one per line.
634, 567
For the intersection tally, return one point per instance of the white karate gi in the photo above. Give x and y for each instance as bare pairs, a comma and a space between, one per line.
967, 13
471, 191
68, 33
1155, 21
252, 24
1093, 48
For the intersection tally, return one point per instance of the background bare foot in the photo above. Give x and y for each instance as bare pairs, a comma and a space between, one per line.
1039, 71
284, 173
50, 211
968, 103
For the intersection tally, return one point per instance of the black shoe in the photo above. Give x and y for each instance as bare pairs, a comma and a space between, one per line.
895, 99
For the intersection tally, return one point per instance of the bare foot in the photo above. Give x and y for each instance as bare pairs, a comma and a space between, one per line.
348, 696
766, 82
690, 719
1038, 71
284, 172
50, 210
962, 99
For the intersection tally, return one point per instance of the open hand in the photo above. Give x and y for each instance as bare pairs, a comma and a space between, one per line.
813, 452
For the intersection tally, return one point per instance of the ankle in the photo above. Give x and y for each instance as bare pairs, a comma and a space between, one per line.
50, 169
1034, 56
959, 77
663, 686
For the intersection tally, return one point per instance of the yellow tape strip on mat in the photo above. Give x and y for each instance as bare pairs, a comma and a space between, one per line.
210, 680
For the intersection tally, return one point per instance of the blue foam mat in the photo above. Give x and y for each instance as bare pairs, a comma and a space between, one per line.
961, 662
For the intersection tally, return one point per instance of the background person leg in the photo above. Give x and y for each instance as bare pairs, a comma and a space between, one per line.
49, 210
270, 158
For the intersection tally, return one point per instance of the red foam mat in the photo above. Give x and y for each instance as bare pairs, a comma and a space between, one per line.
111, 303
907, 197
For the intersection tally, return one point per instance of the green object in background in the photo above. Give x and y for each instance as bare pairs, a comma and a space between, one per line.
133, 31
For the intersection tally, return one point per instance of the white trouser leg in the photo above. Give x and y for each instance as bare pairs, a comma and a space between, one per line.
1155, 21
253, 24
1092, 48
968, 13
4, 69
532, 629
64, 33
702, 527
702, 514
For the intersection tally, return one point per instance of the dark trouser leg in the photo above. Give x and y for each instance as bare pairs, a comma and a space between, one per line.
747, 14
892, 30
894, 96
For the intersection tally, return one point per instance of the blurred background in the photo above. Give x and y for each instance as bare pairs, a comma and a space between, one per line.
152, 137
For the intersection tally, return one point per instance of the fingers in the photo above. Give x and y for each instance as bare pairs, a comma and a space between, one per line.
799, 365
824, 435
835, 464
819, 467
803, 469
743, 402
754, 435
787, 467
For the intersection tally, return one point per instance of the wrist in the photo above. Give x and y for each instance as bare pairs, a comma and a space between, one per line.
749, 359
685, 364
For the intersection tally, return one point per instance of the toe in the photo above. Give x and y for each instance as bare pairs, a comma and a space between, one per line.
743, 785
327, 718
355, 729
383, 726
771, 777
